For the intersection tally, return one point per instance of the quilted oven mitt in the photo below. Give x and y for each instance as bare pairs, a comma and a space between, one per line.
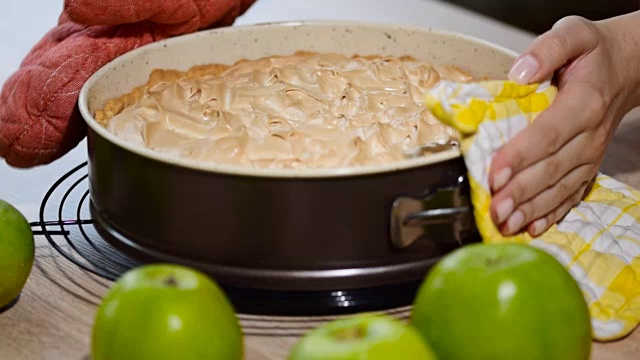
39, 120
598, 241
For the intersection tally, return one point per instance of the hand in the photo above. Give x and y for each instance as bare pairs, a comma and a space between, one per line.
543, 172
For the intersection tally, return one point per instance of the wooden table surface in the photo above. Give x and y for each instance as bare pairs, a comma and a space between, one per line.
54, 316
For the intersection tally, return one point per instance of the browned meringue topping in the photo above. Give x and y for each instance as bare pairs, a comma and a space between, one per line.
299, 111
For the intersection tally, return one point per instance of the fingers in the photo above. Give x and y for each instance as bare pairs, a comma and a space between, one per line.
534, 180
545, 201
573, 111
568, 39
542, 224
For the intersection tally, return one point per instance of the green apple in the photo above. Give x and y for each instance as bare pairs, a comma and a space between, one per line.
362, 337
503, 301
17, 251
165, 311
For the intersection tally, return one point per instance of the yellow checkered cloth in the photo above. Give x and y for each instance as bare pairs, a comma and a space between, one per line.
598, 241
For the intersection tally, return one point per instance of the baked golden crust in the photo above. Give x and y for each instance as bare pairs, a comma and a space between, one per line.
115, 106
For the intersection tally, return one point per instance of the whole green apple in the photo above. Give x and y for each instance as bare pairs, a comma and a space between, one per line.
503, 301
362, 337
166, 311
17, 251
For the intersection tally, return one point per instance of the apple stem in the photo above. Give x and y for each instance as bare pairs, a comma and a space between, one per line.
171, 281
492, 261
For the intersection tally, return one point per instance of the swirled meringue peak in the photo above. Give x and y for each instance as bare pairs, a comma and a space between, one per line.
298, 111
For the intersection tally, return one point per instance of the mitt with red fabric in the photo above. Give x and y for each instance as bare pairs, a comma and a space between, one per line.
39, 120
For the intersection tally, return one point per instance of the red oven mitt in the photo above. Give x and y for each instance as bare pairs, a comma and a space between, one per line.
39, 119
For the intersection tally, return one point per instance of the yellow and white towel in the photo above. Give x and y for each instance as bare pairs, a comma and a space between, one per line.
598, 241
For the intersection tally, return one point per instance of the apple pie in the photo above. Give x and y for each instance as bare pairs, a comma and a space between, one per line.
305, 110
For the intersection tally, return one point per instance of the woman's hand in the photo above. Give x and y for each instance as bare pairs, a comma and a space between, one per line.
540, 174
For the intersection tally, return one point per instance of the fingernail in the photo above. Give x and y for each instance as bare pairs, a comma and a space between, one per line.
539, 226
524, 70
501, 178
515, 222
504, 209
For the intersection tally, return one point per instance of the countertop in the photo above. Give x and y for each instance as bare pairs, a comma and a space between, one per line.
53, 318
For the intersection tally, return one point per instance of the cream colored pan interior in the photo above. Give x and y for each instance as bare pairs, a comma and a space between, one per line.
227, 45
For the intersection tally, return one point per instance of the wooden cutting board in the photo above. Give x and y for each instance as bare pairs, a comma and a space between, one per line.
53, 319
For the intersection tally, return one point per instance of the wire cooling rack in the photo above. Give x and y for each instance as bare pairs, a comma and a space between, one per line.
71, 232
66, 223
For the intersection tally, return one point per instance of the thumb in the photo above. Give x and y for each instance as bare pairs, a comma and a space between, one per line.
568, 39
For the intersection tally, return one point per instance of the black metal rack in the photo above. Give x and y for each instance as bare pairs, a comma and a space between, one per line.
72, 238
71, 233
